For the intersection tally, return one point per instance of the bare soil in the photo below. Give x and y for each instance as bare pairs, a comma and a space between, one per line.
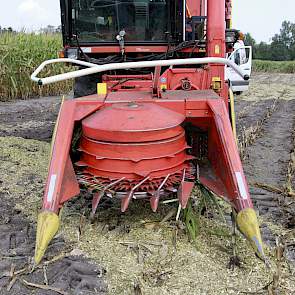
270, 150
29, 119
138, 253
67, 273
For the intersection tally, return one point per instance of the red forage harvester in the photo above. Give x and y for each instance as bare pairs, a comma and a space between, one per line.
162, 117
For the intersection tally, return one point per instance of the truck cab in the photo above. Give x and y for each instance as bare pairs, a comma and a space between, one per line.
242, 57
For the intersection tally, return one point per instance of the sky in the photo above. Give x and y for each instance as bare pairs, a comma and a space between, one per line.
261, 18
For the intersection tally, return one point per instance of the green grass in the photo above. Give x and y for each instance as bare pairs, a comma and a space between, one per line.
20, 54
274, 66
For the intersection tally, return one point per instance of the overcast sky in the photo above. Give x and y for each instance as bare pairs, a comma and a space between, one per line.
261, 18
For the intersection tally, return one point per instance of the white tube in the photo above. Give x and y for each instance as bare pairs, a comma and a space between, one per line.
93, 68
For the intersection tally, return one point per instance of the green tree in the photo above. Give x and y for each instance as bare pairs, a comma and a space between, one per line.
283, 44
279, 49
262, 51
249, 40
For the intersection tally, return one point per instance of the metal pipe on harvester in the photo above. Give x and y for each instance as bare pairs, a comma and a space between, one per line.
94, 68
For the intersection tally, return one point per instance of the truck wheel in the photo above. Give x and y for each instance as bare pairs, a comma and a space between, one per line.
84, 86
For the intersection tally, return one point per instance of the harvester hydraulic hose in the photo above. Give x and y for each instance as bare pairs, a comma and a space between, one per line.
93, 68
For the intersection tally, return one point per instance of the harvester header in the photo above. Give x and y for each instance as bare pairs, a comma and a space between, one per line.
152, 113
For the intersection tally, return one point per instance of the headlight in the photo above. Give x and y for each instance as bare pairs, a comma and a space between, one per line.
72, 53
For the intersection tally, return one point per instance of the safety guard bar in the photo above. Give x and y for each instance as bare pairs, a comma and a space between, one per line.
94, 68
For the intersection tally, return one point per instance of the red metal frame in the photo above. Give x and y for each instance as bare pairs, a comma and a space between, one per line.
115, 49
136, 136
203, 109
128, 49
145, 154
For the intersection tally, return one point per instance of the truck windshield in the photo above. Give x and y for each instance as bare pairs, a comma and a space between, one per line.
101, 20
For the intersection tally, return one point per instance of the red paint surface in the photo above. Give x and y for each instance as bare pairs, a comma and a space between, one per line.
136, 131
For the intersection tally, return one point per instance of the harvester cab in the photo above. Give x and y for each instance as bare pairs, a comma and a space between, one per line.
154, 113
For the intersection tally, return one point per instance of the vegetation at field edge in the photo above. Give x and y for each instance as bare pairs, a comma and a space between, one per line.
20, 54
274, 66
281, 47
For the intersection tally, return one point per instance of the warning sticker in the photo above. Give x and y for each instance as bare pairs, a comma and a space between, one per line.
241, 185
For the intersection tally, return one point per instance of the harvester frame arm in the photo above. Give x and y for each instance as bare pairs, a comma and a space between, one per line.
94, 68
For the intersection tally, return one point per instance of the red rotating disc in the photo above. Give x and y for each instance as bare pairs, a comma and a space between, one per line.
134, 141
133, 122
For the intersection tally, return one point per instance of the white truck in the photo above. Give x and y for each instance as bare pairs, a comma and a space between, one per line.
241, 56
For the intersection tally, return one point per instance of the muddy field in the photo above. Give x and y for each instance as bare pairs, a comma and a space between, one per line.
139, 252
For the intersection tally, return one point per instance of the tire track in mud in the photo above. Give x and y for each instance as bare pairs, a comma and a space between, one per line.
73, 275
248, 133
29, 119
268, 159
249, 113
267, 144
269, 155
290, 182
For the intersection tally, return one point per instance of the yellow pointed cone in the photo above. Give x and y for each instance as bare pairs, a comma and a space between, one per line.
47, 226
248, 225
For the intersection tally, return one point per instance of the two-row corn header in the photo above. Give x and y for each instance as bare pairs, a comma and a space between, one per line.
152, 108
